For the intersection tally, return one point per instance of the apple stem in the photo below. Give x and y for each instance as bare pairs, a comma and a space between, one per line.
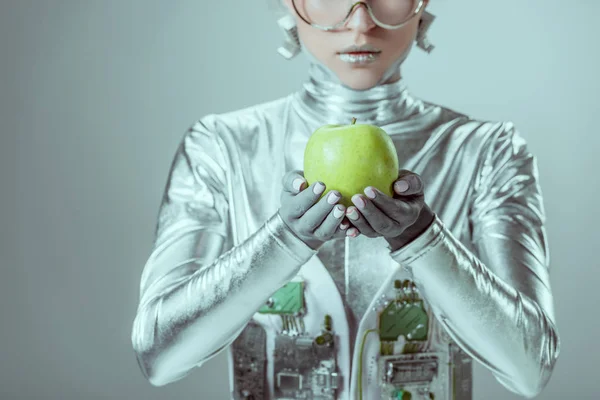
353, 121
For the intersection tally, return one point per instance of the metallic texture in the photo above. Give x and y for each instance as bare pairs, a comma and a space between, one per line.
292, 45
418, 4
221, 249
359, 58
422, 38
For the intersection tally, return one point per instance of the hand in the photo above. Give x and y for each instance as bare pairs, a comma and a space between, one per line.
399, 219
312, 220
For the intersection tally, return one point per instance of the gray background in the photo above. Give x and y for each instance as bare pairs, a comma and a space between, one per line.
95, 95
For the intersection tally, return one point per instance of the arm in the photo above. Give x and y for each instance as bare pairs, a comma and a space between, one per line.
195, 299
498, 307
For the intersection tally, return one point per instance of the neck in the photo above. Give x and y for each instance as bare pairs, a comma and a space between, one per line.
325, 96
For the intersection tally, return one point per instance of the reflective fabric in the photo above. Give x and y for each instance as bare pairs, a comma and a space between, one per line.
221, 249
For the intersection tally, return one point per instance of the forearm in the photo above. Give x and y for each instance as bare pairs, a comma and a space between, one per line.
495, 323
184, 324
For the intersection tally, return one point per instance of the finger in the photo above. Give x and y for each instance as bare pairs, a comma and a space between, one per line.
317, 213
331, 223
403, 211
340, 232
408, 184
381, 200
395, 209
305, 200
293, 182
360, 224
377, 218
353, 232
345, 224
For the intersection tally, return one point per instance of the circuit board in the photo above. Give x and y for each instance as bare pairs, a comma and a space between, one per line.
250, 366
305, 367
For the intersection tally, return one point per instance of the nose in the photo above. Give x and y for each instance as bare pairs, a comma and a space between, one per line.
359, 19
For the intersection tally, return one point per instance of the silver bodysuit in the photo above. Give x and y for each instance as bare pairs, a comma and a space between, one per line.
226, 274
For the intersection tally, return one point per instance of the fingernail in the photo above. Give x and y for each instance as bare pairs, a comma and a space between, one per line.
297, 184
370, 192
352, 232
338, 211
318, 188
332, 198
352, 213
358, 201
401, 186
344, 226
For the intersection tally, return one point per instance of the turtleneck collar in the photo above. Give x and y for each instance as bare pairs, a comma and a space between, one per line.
325, 97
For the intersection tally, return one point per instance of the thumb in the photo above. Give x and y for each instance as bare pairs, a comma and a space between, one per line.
408, 184
294, 182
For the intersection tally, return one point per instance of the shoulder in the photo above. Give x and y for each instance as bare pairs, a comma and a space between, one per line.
223, 134
244, 121
484, 134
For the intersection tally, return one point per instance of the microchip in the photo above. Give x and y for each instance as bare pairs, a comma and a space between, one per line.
289, 381
288, 300
407, 319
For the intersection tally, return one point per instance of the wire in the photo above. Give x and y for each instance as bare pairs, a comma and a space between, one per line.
360, 361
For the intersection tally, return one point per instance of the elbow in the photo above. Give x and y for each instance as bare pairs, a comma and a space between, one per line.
533, 381
148, 369
148, 353
147, 361
152, 368
527, 384
159, 362
157, 379
157, 371
530, 389
149, 372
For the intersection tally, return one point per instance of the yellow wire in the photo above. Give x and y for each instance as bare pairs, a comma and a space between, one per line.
360, 361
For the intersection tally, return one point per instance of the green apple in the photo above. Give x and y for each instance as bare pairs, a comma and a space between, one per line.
348, 158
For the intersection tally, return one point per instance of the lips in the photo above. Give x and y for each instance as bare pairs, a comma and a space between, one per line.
359, 58
362, 49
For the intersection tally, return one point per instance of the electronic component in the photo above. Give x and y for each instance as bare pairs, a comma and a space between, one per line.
288, 303
417, 360
410, 369
407, 319
401, 395
250, 367
288, 300
461, 370
407, 368
305, 367
409, 376
405, 316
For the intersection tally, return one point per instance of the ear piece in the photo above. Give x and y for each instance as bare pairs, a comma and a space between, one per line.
291, 45
424, 25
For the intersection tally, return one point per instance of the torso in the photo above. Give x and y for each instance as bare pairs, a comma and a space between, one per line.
265, 142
